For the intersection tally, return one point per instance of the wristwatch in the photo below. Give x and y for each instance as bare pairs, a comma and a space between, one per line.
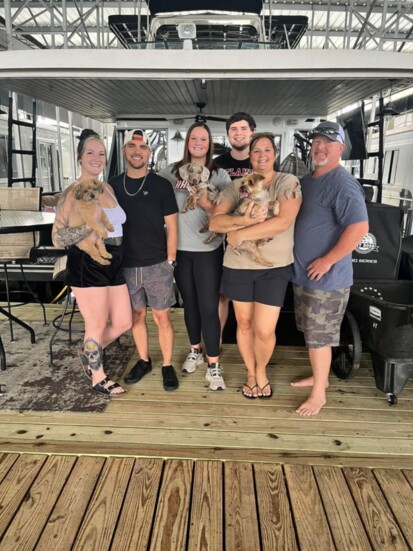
172, 263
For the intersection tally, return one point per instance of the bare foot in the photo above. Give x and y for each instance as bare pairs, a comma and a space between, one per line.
301, 383
311, 406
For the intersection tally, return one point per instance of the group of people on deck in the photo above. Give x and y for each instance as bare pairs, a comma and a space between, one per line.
321, 219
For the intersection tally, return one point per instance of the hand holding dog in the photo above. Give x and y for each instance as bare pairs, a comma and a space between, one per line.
234, 238
253, 215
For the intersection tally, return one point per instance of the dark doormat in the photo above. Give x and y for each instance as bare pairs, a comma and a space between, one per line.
30, 384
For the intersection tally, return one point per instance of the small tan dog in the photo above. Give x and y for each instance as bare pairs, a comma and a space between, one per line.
87, 210
252, 191
198, 178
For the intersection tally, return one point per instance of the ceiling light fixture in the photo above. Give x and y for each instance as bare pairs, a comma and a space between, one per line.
388, 111
177, 137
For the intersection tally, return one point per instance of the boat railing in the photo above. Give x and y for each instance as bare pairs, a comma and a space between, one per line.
210, 44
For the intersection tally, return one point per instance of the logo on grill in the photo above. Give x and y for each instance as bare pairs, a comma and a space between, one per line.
367, 245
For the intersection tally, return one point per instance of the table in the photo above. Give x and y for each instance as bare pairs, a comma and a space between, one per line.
18, 221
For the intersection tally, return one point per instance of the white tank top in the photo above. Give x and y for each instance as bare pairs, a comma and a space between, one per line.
117, 217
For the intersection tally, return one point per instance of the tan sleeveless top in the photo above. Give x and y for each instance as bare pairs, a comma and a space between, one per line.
279, 250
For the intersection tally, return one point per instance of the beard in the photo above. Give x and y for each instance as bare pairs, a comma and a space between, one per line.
240, 147
136, 163
320, 163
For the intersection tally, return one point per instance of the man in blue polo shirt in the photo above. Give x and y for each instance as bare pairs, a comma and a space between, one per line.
331, 222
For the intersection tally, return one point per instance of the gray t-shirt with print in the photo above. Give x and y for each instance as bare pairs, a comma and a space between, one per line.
190, 222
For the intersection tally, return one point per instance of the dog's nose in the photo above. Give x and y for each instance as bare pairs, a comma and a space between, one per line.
92, 195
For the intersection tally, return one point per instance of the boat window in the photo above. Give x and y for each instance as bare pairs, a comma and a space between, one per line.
3, 160
391, 158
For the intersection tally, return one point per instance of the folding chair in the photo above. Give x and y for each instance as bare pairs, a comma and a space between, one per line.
15, 248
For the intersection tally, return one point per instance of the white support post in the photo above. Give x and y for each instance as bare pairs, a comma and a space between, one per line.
9, 28
59, 149
72, 148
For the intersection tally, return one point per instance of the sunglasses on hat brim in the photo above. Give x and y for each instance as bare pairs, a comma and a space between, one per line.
327, 131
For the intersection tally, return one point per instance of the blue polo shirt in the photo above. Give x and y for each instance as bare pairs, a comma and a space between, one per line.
330, 204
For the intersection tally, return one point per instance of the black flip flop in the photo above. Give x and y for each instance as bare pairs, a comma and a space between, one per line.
251, 389
265, 396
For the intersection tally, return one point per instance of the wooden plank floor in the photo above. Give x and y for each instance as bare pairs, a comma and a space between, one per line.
70, 503
357, 428
200, 470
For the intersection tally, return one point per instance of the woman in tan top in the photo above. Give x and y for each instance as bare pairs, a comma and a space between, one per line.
258, 291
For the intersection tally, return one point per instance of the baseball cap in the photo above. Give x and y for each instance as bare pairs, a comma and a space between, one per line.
135, 135
331, 130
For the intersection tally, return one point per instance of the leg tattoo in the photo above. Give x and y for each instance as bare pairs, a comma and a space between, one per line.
94, 353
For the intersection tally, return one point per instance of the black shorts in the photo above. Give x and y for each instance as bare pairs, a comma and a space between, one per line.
83, 271
264, 286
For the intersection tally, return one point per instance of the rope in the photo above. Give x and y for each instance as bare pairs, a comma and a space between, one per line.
59, 295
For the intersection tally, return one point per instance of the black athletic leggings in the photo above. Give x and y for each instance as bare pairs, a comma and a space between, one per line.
198, 277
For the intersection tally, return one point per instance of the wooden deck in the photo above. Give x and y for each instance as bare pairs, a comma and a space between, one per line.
96, 503
202, 470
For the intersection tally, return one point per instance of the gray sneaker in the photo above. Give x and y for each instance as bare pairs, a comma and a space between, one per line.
214, 376
193, 360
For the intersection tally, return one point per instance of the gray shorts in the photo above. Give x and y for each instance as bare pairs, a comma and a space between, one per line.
151, 286
318, 314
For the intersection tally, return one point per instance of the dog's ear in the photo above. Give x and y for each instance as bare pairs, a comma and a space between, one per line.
183, 172
205, 174
78, 191
99, 186
257, 177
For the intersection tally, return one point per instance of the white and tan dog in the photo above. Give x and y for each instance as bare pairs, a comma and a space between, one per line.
198, 178
252, 191
87, 210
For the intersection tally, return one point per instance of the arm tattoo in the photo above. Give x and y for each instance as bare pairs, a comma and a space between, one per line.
71, 236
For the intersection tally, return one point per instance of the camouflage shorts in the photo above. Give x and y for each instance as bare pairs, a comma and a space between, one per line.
318, 314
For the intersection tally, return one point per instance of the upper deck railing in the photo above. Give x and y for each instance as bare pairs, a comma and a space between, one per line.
210, 32
384, 25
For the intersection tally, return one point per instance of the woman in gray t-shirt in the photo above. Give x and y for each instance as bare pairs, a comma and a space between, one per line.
199, 264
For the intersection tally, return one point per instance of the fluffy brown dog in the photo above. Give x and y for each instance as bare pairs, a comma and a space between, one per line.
197, 176
252, 191
87, 210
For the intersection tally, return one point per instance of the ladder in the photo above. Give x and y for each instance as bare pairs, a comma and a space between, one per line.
12, 122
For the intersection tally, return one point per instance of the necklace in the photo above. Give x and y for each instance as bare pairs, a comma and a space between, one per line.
140, 187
